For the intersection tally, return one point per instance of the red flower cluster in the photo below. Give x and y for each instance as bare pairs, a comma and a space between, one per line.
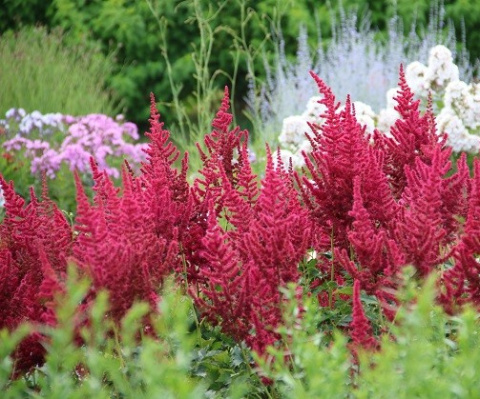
368, 205
35, 242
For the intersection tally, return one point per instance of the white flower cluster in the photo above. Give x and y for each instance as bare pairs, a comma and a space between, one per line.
2, 198
388, 116
434, 78
458, 103
45, 124
457, 108
293, 140
460, 117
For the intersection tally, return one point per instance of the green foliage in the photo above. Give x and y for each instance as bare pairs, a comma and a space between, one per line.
424, 353
39, 72
14, 13
175, 357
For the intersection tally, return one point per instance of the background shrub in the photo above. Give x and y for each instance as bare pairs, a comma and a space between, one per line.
130, 29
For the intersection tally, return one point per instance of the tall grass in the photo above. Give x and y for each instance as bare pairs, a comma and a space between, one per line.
38, 71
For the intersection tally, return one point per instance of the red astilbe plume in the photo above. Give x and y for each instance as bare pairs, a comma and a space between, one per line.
166, 193
462, 282
223, 158
118, 245
420, 232
413, 136
220, 158
224, 297
246, 266
159, 177
279, 235
341, 153
455, 192
161, 156
35, 241
377, 258
361, 330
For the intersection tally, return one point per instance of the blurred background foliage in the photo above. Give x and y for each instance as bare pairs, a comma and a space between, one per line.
131, 33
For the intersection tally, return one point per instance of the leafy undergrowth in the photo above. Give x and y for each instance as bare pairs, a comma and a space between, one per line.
425, 353
287, 285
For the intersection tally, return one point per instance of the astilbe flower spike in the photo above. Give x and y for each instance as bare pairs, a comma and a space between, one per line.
246, 266
462, 282
118, 246
377, 258
219, 158
129, 239
361, 330
413, 136
420, 232
342, 152
222, 161
455, 192
35, 242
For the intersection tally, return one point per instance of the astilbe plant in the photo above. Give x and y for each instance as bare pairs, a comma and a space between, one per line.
362, 334
247, 264
343, 158
379, 203
267, 233
461, 282
412, 136
128, 240
368, 205
221, 162
35, 242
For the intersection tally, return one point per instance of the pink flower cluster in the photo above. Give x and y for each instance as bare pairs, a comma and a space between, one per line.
50, 141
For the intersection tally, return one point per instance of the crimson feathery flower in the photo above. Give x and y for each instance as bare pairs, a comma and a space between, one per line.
420, 232
223, 159
246, 266
361, 330
455, 192
221, 145
462, 282
376, 257
341, 153
118, 245
412, 136
35, 242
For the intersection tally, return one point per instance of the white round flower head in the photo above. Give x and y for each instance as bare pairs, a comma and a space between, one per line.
2, 198
314, 109
441, 69
475, 95
365, 115
293, 131
454, 93
464, 100
391, 94
458, 136
386, 119
416, 76
11, 113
